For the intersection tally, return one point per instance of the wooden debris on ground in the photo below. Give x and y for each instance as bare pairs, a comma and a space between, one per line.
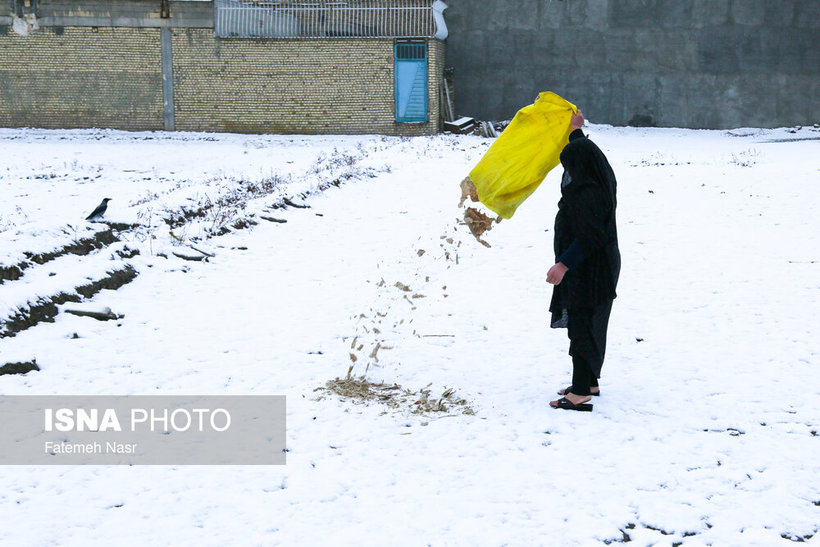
104, 314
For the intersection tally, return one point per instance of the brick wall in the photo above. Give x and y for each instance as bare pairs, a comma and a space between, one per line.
291, 86
81, 77
66, 77
436, 54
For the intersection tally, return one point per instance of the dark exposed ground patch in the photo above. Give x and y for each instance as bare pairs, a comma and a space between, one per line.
80, 247
45, 309
19, 368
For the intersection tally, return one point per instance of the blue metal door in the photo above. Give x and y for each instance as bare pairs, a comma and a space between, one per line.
411, 82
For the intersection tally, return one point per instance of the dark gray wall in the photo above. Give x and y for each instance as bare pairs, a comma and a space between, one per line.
671, 63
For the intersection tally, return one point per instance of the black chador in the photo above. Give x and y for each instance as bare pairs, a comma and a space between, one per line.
586, 241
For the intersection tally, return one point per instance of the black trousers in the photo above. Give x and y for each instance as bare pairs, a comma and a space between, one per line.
586, 328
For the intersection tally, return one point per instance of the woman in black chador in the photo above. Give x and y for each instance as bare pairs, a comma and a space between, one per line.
587, 263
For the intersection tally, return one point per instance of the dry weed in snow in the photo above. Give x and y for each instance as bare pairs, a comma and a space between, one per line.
362, 391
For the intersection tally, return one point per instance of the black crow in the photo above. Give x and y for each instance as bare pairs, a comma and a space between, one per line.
97, 213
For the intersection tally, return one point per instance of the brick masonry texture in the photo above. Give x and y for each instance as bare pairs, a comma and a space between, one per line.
81, 77
68, 77
292, 86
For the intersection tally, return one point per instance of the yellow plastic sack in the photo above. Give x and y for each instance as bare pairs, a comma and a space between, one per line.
523, 154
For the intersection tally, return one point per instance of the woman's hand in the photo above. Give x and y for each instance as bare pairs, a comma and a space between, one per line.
577, 120
556, 274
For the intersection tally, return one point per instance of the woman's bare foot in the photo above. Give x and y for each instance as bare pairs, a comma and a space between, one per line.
592, 390
572, 398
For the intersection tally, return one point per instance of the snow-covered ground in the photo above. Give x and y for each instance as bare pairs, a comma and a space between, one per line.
706, 432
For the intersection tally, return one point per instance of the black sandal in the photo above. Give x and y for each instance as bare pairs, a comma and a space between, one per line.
568, 389
566, 404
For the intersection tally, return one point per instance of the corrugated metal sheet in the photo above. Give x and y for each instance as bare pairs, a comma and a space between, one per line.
354, 19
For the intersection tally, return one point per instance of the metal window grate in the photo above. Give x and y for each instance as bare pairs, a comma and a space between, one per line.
411, 51
353, 19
